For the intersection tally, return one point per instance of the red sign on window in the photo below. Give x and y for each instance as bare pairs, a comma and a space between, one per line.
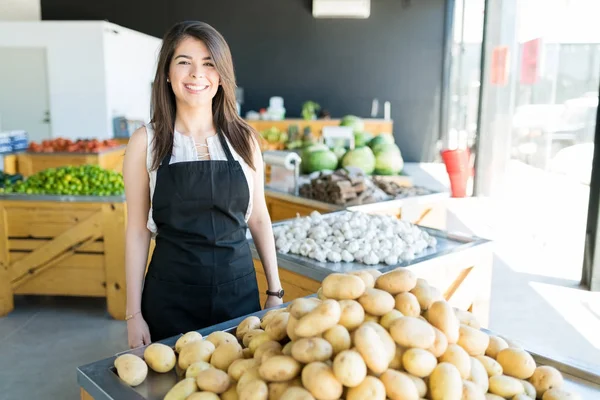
499, 66
530, 61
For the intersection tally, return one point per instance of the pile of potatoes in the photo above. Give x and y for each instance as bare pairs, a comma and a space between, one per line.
367, 336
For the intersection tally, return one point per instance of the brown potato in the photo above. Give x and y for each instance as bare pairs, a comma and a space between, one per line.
491, 366
474, 341
545, 378
131, 369
279, 369
418, 362
319, 380
396, 362
255, 390
343, 287
516, 363
352, 314
250, 375
160, 358
445, 383
529, 389
398, 386
213, 380
203, 396
182, 389
250, 335
258, 340
441, 315
199, 350
412, 332
390, 317
458, 357
225, 354
472, 391
505, 386
371, 348
396, 281
219, 337
266, 319
248, 324
349, 368
408, 304
302, 306
366, 277
277, 327
560, 394
308, 350
238, 367
229, 394
495, 346
479, 375
424, 294
185, 339
296, 393
370, 388
339, 338
193, 370
440, 343
263, 348
467, 318
322, 318
376, 302
290, 329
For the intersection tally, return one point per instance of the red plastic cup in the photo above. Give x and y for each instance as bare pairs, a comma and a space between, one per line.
458, 168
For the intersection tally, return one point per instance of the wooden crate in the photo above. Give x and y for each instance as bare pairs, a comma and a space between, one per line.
31, 163
63, 248
375, 126
10, 164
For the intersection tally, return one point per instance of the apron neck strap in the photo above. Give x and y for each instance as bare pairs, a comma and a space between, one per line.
166, 159
225, 146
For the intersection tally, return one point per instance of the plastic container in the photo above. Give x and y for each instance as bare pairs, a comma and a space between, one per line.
458, 166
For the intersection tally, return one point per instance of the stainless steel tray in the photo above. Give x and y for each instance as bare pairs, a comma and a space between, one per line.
100, 380
447, 243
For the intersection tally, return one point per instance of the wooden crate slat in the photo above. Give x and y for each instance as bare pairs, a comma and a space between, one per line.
66, 281
32, 244
6, 294
37, 230
83, 260
46, 215
113, 225
91, 227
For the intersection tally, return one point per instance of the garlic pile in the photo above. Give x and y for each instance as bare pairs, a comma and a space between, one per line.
352, 237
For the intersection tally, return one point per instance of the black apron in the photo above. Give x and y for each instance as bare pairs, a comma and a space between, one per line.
201, 272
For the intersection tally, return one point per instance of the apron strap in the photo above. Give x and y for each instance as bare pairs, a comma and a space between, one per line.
225, 147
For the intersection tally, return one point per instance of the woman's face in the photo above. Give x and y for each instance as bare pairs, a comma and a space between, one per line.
194, 78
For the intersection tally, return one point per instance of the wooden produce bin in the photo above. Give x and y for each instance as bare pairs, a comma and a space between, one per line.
374, 126
31, 163
70, 248
10, 164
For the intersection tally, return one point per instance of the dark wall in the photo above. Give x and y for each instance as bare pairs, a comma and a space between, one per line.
279, 49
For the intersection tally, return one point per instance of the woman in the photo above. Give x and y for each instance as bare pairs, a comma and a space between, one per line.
194, 177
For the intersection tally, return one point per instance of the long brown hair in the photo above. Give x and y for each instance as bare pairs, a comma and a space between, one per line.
225, 116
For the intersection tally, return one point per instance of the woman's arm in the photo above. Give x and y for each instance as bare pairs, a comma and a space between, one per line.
137, 237
260, 225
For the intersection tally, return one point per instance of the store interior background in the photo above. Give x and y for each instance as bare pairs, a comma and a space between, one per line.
535, 137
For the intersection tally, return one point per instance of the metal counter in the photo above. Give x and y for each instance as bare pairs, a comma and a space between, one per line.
62, 198
447, 243
100, 380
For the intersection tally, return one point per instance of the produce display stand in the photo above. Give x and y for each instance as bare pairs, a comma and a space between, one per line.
31, 163
10, 164
99, 380
426, 210
63, 245
459, 266
374, 126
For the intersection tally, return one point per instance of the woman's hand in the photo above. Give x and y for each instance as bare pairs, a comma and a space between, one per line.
138, 333
273, 301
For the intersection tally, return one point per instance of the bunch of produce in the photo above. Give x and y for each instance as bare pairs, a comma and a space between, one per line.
367, 336
352, 236
398, 191
298, 141
274, 136
9, 179
341, 187
318, 157
60, 145
85, 180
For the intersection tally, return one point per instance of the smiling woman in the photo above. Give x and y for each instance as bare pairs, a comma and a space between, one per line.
194, 178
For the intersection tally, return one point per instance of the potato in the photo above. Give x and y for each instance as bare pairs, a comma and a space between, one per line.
371, 348
324, 317
398, 386
287, 349
263, 348
419, 384
320, 294
250, 335
472, 391
376, 302
467, 318
319, 380
248, 324
408, 304
269, 354
161, 358
529, 389
370, 388
372, 318
203, 396
491, 366
559, 394
349, 368
396, 281
258, 340
490, 396
182, 389
230, 394
343, 287
387, 319
290, 329
279, 369
516, 363
255, 390
425, 296
277, 389
250, 375
545, 378
396, 362
131, 369
412, 332
474, 341
302, 306
238, 367
458, 357
339, 338
247, 353
366, 277
441, 315
277, 327
522, 396
213, 380
219, 337
418, 362
352, 314
479, 375
445, 383
225, 354
193, 370
505, 386
266, 319
296, 393
180, 373
311, 349
185, 339
495, 346
440, 344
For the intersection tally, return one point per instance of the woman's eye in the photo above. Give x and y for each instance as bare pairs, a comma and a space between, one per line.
183, 62
209, 64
